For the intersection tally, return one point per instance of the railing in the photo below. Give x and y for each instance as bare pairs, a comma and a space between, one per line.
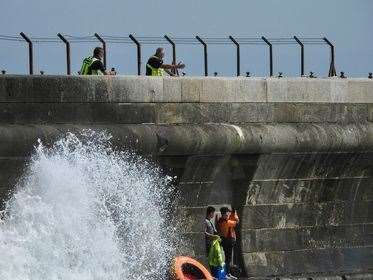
139, 41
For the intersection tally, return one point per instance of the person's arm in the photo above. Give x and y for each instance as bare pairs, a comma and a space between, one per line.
233, 216
233, 219
236, 217
98, 65
210, 235
173, 66
107, 72
231, 223
169, 72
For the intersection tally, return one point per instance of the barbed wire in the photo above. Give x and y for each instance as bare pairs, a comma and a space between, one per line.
10, 38
173, 40
154, 40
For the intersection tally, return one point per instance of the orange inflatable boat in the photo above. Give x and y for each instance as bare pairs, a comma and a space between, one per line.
186, 268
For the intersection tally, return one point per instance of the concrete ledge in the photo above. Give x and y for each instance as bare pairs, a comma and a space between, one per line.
326, 261
312, 277
18, 140
332, 90
359, 276
182, 113
17, 88
323, 237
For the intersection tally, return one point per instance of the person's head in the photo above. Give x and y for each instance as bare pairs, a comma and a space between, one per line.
225, 212
159, 53
98, 52
210, 211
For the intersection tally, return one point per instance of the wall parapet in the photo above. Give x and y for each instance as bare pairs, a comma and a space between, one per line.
18, 88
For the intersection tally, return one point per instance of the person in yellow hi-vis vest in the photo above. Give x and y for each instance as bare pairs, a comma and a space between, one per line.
156, 67
93, 65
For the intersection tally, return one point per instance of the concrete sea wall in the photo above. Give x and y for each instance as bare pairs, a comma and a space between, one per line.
294, 156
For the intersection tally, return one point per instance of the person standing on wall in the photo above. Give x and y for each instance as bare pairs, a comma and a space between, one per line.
156, 67
226, 228
93, 65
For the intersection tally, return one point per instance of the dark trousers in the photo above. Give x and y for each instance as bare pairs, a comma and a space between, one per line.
228, 246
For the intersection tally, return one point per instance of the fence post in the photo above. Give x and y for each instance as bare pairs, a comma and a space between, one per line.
332, 71
30, 52
138, 45
205, 54
173, 51
238, 55
103, 46
68, 64
301, 55
270, 55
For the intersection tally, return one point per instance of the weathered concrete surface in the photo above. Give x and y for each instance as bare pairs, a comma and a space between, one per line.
170, 140
204, 90
294, 156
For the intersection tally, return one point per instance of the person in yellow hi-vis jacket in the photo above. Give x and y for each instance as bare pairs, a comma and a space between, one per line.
93, 65
156, 67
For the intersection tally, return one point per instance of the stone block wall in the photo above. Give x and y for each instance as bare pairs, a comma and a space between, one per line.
293, 155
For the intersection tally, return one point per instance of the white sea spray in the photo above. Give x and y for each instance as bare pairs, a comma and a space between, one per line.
84, 211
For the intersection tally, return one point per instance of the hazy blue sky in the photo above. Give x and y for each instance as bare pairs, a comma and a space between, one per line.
348, 23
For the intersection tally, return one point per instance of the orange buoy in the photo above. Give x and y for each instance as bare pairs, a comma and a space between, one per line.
186, 268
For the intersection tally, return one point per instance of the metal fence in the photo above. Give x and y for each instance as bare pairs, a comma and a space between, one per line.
140, 41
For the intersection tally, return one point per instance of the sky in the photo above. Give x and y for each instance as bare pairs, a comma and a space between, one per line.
347, 23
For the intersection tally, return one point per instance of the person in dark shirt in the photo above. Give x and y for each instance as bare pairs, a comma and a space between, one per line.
97, 67
156, 67
210, 231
